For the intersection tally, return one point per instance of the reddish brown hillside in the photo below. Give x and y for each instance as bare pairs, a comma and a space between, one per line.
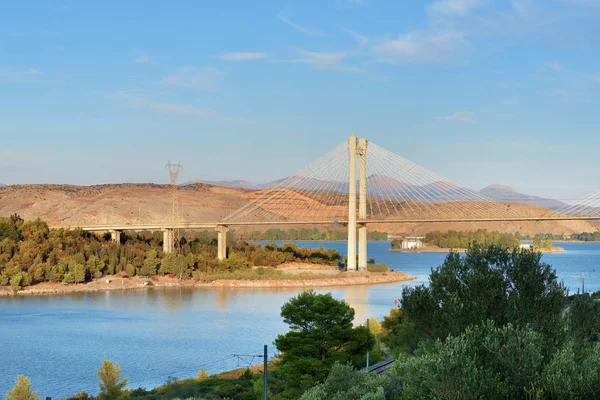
150, 203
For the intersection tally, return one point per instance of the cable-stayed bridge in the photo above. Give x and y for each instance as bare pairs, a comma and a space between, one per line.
359, 183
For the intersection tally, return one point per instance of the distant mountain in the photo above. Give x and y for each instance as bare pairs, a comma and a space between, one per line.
510, 195
384, 185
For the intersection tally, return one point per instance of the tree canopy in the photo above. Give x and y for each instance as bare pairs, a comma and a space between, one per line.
321, 333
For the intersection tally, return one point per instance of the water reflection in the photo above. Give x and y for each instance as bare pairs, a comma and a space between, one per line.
358, 298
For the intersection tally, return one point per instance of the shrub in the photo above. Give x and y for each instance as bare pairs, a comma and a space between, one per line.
377, 268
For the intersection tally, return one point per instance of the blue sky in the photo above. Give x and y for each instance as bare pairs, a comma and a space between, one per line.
479, 91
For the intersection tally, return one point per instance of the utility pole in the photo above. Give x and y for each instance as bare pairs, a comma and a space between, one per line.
265, 359
582, 283
369, 329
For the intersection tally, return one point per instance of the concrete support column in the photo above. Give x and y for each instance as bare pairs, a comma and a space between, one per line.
352, 206
168, 240
115, 236
222, 242
362, 204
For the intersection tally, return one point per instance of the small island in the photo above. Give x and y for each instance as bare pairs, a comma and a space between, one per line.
37, 260
459, 241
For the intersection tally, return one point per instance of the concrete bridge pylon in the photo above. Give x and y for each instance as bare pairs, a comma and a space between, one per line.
357, 147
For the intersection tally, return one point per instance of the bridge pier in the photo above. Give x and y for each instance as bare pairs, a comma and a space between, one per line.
115, 236
222, 242
168, 240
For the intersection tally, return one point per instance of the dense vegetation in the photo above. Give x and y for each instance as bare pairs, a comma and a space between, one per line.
458, 239
305, 234
31, 253
491, 324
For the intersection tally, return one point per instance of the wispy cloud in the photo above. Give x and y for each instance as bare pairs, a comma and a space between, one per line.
511, 101
142, 59
243, 56
329, 61
453, 7
360, 39
552, 66
139, 99
304, 29
467, 117
421, 47
18, 75
360, 3
586, 3
193, 78
523, 8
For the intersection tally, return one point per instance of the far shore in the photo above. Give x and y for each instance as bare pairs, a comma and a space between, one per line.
436, 249
109, 283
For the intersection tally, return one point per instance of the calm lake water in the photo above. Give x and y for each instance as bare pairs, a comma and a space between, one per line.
60, 341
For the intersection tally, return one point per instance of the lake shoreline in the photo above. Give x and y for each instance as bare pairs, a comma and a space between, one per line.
114, 283
435, 249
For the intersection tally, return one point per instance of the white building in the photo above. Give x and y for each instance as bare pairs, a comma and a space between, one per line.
412, 243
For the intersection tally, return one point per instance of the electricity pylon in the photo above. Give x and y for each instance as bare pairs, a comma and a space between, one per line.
174, 170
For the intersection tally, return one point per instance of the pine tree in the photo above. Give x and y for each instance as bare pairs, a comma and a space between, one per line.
22, 390
111, 383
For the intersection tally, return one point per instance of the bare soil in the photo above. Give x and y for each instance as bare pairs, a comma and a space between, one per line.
119, 283
129, 203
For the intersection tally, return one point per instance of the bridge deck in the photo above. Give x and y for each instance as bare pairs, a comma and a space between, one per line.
213, 225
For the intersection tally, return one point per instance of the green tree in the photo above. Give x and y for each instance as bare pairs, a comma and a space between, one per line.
19, 280
548, 244
202, 374
487, 283
346, 383
22, 390
484, 362
321, 333
537, 242
151, 263
111, 384
258, 389
584, 318
399, 335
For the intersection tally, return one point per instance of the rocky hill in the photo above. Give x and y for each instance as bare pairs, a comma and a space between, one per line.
198, 202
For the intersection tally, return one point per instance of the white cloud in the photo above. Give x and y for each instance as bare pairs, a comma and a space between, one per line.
243, 56
453, 7
553, 66
179, 109
421, 47
523, 8
360, 39
330, 61
142, 59
193, 78
595, 78
359, 3
467, 117
139, 99
17, 75
304, 29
